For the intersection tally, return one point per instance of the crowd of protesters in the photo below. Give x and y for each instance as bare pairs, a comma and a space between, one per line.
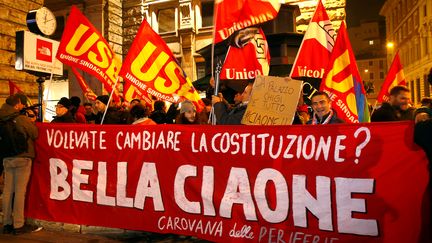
17, 168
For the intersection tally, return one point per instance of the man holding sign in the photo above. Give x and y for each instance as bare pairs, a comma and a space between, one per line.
226, 117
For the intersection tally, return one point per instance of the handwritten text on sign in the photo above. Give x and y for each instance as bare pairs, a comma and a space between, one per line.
273, 101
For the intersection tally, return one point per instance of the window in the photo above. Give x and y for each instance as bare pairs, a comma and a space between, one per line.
200, 68
424, 11
207, 13
371, 76
167, 20
418, 96
381, 75
381, 64
370, 63
371, 42
426, 86
412, 90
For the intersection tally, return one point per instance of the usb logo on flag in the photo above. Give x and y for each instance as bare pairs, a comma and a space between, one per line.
43, 50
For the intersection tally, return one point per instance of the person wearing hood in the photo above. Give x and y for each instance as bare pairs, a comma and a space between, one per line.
188, 114
17, 169
63, 114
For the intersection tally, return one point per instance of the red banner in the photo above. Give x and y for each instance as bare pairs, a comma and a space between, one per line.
395, 76
13, 88
249, 61
314, 53
83, 47
151, 68
233, 15
326, 183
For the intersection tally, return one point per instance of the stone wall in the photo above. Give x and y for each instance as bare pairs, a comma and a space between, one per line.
13, 18
133, 14
335, 10
113, 25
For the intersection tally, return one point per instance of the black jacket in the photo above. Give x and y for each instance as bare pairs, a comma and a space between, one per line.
388, 112
66, 118
225, 116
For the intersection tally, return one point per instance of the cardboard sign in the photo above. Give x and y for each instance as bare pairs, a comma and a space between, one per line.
273, 101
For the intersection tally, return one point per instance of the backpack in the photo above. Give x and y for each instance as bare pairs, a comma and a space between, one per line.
12, 140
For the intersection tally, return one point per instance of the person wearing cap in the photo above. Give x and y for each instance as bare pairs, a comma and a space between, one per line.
77, 110
301, 116
17, 169
113, 115
63, 114
188, 114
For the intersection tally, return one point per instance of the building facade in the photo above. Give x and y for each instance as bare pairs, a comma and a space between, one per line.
409, 29
368, 43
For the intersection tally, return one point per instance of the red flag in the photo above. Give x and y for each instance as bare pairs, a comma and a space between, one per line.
87, 91
395, 76
233, 15
152, 69
343, 82
83, 47
314, 53
249, 61
13, 88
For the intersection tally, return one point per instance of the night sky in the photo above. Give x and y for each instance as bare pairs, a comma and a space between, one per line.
358, 10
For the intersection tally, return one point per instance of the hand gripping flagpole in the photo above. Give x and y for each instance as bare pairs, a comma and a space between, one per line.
212, 116
109, 100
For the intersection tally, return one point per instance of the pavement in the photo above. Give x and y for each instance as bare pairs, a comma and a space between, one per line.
55, 236
45, 236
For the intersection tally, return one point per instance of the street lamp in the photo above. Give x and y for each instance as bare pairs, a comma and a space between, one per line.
390, 45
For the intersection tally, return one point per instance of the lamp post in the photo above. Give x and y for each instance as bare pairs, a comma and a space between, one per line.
40, 81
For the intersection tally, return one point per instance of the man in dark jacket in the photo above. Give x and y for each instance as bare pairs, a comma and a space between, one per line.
63, 115
17, 170
397, 109
113, 115
322, 110
225, 116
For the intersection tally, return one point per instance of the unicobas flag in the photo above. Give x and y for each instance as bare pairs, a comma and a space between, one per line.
249, 61
233, 15
395, 76
87, 91
314, 53
14, 89
152, 69
343, 82
83, 47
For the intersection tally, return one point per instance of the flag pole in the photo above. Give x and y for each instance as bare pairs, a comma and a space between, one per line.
212, 116
374, 107
44, 95
109, 100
